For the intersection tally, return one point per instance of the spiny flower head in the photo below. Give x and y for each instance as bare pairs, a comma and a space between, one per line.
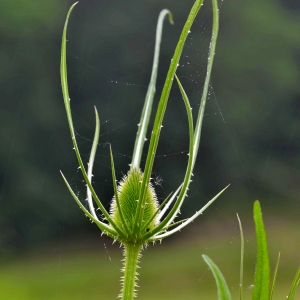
128, 194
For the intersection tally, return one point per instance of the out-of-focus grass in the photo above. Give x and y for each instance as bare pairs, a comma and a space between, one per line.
173, 270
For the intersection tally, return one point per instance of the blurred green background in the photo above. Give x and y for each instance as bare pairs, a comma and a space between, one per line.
250, 139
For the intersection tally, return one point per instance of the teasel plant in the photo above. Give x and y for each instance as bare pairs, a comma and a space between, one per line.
135, 217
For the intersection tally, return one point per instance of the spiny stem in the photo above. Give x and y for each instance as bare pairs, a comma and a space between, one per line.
132, 253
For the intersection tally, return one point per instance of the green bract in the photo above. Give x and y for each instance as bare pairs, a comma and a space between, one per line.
135, 217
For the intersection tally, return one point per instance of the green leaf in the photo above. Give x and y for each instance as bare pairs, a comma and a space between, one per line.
223, 291
274, 277
242, 257
294, 286
261, 290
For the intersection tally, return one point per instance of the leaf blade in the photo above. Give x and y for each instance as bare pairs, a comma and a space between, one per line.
223, 291
261, 290
294, 286
242, 257
91, 163
274, 277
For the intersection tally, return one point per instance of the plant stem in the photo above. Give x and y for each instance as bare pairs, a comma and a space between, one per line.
132, 255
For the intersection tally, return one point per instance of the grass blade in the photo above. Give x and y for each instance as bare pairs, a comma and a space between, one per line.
242, 257
223, 291
274, 277
294, 286
261, 290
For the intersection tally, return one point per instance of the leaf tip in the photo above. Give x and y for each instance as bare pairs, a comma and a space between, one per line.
256, 206
171, 18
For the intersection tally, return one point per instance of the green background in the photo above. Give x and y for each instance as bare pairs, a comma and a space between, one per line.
250, 137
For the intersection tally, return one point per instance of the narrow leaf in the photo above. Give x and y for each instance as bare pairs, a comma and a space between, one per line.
157, 211
188, 221
161, 110
294, 286
187, 178
168, 204
223, 291
242, 257
91, 164
146, 113
176, 223
207, 79
261, 290
274, 277
104, 227
162, 106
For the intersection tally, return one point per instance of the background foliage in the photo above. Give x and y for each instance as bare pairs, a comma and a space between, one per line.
255, 80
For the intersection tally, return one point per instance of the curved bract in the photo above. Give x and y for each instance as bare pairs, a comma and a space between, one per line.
135, 217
